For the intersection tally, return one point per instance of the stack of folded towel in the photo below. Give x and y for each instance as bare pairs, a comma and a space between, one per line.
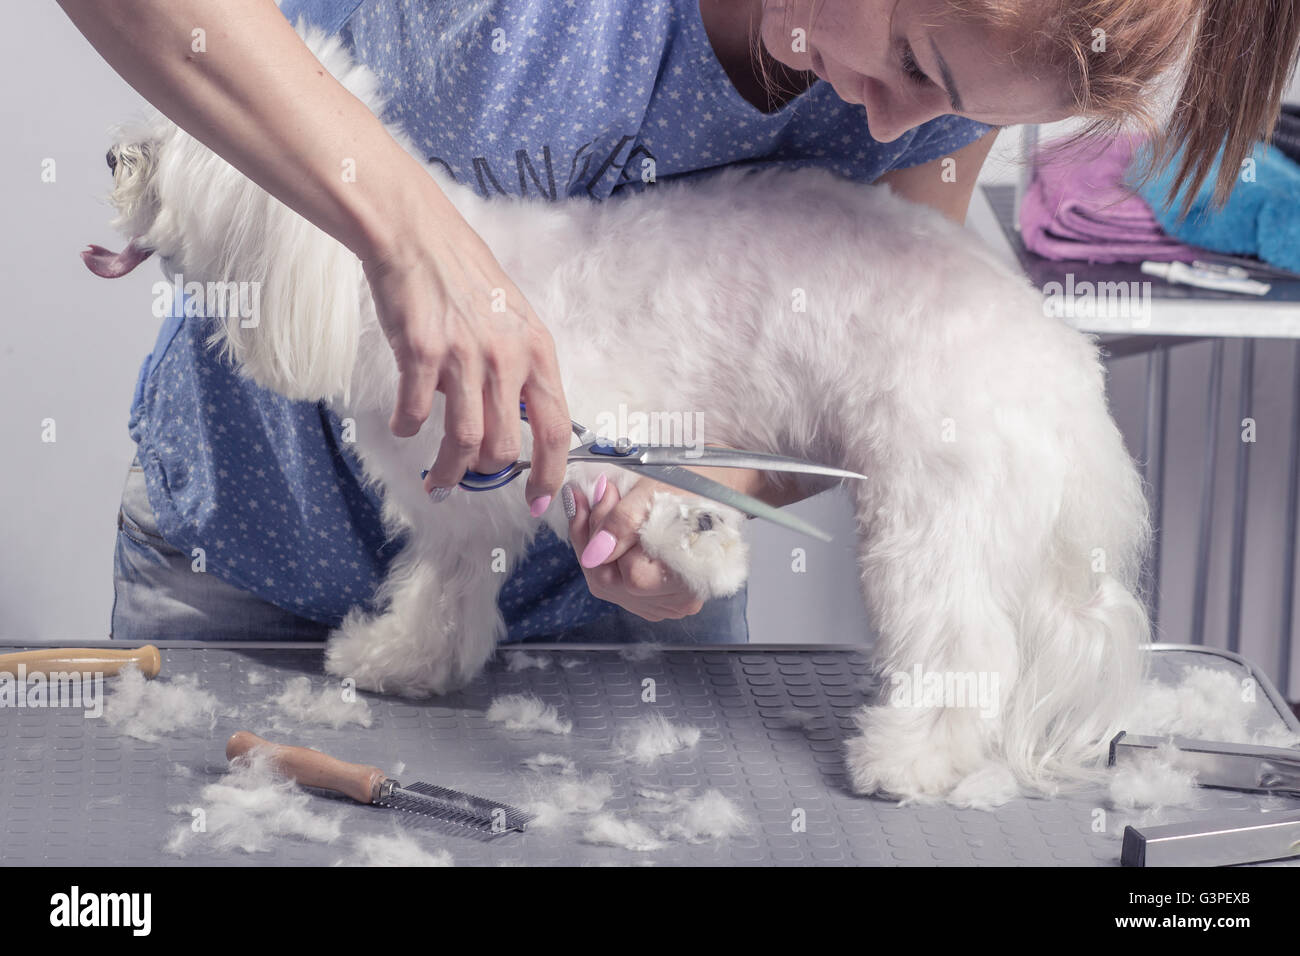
1261, 218
1078, 206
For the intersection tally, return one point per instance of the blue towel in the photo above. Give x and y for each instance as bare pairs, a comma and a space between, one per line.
1261, 218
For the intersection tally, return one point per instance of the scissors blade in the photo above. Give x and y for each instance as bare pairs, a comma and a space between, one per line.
714, 491
717, 457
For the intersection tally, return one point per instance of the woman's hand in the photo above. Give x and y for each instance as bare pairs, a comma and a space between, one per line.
604, 535
435, 298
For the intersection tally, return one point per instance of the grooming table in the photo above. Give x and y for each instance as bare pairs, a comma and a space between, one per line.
75, 793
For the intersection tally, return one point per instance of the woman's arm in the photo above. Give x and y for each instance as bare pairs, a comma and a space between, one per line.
258, 98
926, 184
253, 93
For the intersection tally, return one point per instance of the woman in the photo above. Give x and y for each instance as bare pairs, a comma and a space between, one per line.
525, 97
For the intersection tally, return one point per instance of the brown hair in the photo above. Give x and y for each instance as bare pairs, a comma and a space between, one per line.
1230, 60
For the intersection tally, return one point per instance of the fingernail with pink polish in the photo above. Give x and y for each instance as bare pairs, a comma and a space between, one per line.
598, 549
599, 491
539, 505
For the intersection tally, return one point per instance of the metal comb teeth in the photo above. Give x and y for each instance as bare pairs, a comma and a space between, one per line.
454, 806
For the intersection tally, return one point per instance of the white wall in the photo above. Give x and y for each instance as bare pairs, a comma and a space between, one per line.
71, 344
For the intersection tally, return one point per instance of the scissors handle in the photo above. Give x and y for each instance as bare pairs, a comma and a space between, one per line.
483, 481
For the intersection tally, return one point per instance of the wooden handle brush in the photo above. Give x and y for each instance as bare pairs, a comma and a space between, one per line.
83, 660
370, 785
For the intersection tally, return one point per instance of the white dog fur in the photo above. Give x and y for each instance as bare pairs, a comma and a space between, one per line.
1003, 525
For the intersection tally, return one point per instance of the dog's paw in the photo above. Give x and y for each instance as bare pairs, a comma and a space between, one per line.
700, 540
891, 758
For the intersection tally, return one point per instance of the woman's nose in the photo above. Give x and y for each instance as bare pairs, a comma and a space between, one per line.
890, 115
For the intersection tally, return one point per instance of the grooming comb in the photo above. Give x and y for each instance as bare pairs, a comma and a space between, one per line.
1227, 766
370, 785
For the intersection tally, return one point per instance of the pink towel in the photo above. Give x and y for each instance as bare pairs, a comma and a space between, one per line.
1077, 208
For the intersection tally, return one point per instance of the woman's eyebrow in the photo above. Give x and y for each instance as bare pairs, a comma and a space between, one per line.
949, 85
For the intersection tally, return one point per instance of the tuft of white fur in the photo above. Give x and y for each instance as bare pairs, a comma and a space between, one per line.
251, 808
605, 829
695, 819
677, 816
1153, 780
150, 709
555, 800
134, 193
399, 849
654, 736
527, 712
640, 651
552, 762
797, 719
985, 789
329, 706
1003, 525
1208, 704
522, 661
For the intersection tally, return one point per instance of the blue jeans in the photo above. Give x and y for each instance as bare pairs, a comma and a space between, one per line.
159, 595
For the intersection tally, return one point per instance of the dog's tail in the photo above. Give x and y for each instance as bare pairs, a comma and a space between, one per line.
1080, 674
1082, 624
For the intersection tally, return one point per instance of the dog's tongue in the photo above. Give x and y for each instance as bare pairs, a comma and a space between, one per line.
114, 265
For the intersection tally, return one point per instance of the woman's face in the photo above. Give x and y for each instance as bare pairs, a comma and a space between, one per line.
890, 57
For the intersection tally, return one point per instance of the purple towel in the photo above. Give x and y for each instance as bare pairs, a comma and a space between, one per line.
1076, 208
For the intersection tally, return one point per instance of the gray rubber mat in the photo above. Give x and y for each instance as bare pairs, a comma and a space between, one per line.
74, 792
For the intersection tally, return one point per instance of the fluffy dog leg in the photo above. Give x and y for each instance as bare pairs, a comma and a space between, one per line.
439, 627
1002, 568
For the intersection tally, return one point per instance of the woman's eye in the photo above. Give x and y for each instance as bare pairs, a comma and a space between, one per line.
910, 68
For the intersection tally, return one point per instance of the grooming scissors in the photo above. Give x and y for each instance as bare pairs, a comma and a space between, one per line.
665, 463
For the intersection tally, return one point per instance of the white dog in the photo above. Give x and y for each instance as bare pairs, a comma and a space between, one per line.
1002, 527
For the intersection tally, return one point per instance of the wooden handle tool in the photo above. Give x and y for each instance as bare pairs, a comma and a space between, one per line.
311, 768
83, 660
